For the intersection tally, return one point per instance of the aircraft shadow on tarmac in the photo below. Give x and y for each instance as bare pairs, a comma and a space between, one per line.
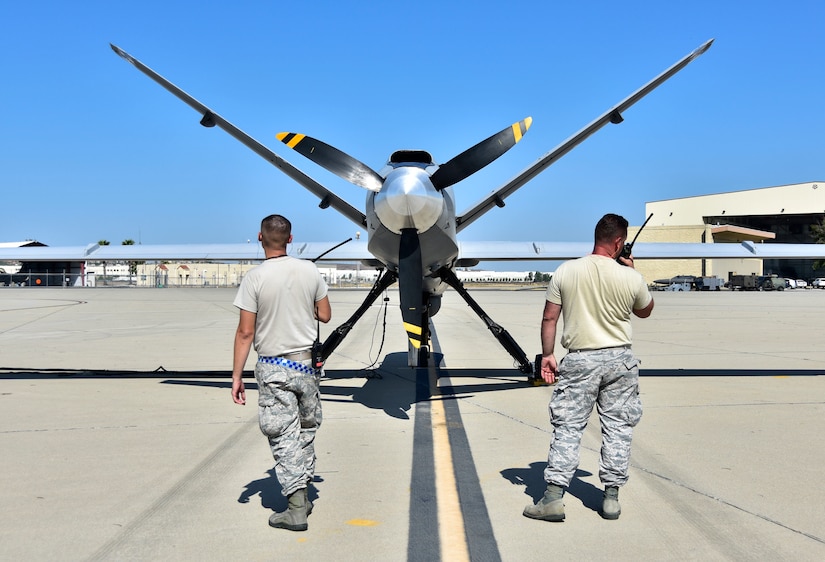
532, 479
394, 387
394, 363
731, 372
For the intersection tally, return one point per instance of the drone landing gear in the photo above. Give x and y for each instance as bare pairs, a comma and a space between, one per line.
420, 356
383, 281
502, 335
416, 356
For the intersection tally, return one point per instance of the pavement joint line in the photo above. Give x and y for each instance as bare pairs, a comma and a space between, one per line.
685, 486
726, 502
115, 427
59, 307
111, 547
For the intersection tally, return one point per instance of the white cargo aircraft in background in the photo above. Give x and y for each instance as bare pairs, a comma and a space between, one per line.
411, 221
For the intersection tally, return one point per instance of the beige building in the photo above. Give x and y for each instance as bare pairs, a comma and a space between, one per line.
781, 214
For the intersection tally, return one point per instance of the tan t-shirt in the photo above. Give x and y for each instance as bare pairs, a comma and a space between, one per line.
282, 292
597, 296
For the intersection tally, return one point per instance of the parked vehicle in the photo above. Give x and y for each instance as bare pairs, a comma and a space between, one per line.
678, 283
743, 282
801, 284
712, 283
770, 283
819, 283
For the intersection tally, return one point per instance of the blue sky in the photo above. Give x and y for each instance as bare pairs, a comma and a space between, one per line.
93, 149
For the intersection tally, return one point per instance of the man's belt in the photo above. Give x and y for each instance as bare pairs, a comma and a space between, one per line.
627, 346
290, 361
297, 356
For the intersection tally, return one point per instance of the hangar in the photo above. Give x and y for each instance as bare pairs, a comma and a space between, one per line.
39, 273
781, 214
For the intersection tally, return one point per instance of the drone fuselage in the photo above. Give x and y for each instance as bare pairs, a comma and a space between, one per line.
408, 200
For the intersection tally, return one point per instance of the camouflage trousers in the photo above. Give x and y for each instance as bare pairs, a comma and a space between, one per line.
608, 378
289, 413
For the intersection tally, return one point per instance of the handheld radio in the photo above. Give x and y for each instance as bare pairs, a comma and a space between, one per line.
628, 248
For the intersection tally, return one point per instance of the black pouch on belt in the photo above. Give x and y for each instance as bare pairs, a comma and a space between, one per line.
317, 358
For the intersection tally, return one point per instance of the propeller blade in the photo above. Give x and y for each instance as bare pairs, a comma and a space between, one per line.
330, 158
473, 159
411, 285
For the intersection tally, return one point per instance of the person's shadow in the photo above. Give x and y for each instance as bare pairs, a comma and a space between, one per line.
532, 479
270, 492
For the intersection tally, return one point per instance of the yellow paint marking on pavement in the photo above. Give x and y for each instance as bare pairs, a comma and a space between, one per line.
451, 533
362, 523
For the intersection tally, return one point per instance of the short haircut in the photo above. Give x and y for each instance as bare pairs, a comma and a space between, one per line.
610, 227
275, 231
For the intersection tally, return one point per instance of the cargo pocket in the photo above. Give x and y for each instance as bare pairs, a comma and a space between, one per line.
632, 365
269, 378
274, 421
632, 412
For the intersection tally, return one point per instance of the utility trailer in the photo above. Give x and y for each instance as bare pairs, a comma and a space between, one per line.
743, 282
708, 283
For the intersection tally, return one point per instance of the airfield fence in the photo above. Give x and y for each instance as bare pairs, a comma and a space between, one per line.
214, 280
138, 280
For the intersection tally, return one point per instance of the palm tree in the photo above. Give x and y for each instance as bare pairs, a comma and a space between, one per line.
103, 242
132, 264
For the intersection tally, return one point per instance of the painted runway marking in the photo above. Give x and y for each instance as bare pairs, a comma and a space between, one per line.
445, 492
450, 517
362, 523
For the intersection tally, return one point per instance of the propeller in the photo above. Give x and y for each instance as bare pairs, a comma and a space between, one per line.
473, 159
411, 286
330, 158
356, 172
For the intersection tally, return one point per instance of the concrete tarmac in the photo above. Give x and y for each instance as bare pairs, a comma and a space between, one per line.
120, 441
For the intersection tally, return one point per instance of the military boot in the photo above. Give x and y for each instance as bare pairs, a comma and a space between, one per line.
295, 517
610, 505
550, 507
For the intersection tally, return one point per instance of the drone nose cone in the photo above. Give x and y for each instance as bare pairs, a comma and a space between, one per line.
408, 200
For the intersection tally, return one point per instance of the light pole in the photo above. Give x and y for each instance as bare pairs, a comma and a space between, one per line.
357, 264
